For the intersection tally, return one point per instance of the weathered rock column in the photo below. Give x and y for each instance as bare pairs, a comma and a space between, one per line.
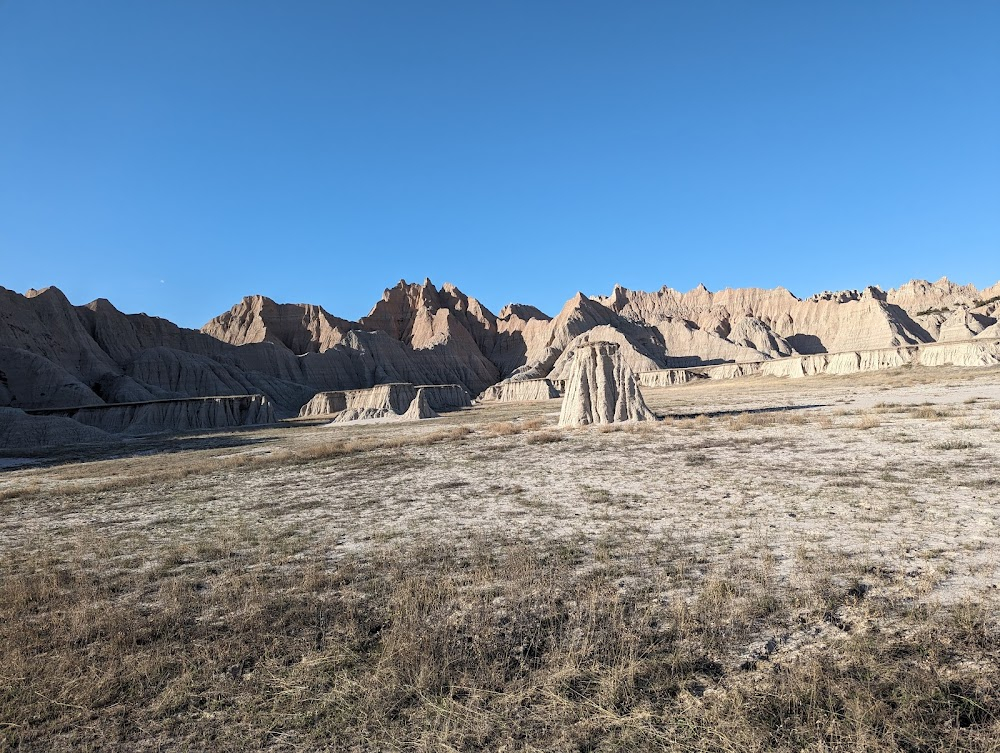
601, 388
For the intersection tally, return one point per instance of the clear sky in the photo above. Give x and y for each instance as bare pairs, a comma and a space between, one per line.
175, 156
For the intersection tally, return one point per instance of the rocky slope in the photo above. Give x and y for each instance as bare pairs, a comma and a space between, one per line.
54, 354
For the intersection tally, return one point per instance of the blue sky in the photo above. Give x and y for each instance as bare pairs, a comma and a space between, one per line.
175, 156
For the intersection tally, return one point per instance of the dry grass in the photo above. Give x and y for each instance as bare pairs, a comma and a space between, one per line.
928, 413
545, 437
120, 475
954, 444
237, 642
868, 421
646, 427
510, 428
698, 585
750, 421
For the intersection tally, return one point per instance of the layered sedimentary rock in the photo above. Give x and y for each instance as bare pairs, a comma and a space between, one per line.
667, 377
990, 333
829, 322
386, 399
688, 345
980, 352
55, 354
324, 404
521, 390
919, 296
300, 327
518, 326
751, 333
635, 359
445, 327
445, 397
175, 373
601, 388
46, 324
961, 324
975, 353
377, 402
420, 408
189, 414
28, 380
20, 431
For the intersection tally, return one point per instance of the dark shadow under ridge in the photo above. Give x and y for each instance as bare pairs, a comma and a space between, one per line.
721, 413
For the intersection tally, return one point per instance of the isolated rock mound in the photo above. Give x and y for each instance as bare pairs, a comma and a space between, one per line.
381, 401
420, 407
601, 389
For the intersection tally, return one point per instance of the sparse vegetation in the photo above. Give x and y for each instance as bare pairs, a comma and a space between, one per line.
930, 311
979, 303
868, 421
545, 437
734, 579
237, 643
928, 413
954, 444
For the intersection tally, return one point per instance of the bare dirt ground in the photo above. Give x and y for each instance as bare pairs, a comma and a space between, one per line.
777, 565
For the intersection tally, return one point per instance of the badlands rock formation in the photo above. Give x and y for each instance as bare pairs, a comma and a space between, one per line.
395, 401
381, 401
827, 322
29, 380
54, 354
189, 414
386, 399
601, 388
420, 408
300, 327
688, 345
443, 397
416, 333
521, 390
324, 404
961, 324
21, 432
975, 353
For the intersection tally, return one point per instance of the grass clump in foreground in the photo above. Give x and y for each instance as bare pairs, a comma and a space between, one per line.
240, 642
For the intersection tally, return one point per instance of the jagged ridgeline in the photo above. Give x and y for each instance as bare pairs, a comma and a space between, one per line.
54, 355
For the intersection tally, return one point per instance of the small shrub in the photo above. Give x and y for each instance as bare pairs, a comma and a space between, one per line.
868, 421
954, 444
545, 437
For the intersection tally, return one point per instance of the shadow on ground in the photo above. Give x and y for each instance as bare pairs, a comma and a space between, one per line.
741, 411
124, 448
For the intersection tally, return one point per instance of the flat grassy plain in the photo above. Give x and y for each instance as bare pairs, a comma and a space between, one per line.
785, 565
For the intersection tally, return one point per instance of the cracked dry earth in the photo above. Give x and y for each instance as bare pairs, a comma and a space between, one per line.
877, 488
